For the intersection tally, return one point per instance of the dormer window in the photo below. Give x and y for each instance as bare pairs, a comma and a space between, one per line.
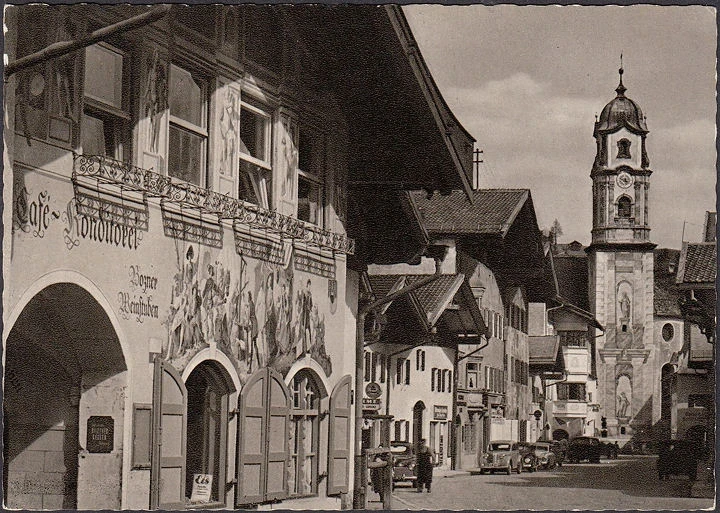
624, 206
623, 149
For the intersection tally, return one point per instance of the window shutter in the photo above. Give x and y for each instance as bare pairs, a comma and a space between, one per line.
263, 439
167, 474
339, 438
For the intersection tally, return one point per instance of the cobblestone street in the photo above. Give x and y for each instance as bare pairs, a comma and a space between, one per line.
624, 484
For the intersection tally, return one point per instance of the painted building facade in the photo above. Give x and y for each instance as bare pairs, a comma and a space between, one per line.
180, 299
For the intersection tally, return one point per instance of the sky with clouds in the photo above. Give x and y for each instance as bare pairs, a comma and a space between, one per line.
528, 81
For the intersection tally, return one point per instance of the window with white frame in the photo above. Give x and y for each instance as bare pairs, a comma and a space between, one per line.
255, 184
187, 152
311, 175
472, 375
105, 126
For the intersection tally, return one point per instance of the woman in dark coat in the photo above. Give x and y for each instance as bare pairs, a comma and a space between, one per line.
425, 461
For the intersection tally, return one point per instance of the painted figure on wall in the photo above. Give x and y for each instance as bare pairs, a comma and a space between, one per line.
255, 318
155, 99
228, 132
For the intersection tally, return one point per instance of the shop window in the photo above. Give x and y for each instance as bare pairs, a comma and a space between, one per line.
311, 176
624, 206
304, 435
623, 149
255, 184
105, 122
187, 152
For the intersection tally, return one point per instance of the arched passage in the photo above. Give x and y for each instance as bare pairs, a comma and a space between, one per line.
65, 371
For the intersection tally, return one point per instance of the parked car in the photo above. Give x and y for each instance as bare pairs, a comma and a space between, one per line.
677, 457
404, 462
545, 455
501, 455
584, 448
527, 456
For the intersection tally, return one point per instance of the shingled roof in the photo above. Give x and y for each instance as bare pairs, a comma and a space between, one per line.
666, 295
698, 264
543, 350
492, 211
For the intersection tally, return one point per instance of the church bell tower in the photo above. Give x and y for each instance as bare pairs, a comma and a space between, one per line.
620, 273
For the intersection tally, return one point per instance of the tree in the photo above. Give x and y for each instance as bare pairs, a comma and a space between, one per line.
555, 231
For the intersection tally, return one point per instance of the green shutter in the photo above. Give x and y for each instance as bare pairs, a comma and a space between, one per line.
339, 438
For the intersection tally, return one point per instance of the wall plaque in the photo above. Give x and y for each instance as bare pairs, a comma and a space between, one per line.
100, 434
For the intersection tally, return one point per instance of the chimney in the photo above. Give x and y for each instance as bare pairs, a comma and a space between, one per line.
710, 228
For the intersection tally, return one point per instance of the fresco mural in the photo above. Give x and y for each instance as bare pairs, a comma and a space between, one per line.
256, 313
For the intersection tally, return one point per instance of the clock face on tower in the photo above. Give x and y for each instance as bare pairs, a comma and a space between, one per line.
624, 180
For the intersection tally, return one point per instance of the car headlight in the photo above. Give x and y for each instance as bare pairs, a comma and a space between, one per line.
527, 459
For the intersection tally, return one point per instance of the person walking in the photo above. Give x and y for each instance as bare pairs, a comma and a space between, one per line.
425, 462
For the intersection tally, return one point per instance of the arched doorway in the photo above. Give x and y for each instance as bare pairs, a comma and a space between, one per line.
418, 410
208, 392
560, 434
65, 376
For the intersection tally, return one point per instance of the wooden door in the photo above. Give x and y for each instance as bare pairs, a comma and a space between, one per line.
167, 471
264, 407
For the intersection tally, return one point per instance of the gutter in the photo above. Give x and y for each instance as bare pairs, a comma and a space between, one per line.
64, 47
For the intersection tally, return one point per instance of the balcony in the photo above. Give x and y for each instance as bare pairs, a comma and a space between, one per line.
577, 363
108, 177
569, 408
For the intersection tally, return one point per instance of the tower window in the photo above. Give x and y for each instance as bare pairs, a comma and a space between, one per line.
623, 149
624, 206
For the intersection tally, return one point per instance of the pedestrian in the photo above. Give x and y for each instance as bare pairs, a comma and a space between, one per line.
425, 462
377, 474
615, 450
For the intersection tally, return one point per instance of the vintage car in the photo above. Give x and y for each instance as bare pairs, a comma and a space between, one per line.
501, 455
527, 456
403, 462
677, 457
584, 448
545, 455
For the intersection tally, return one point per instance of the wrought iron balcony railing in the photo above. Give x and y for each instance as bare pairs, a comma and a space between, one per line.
187, 195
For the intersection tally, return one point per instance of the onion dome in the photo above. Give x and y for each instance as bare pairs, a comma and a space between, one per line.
621, 112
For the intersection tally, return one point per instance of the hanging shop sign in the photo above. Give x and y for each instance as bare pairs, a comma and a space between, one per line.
371, 404
100, 434
373, 390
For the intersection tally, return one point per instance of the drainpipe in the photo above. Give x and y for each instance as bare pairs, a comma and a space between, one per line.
64, 47
363, 311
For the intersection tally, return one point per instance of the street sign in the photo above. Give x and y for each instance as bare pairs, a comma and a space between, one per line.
537, 414
373, 390
371, 404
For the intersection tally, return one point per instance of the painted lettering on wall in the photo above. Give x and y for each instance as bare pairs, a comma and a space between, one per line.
104, 231
138, 302
33, 215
